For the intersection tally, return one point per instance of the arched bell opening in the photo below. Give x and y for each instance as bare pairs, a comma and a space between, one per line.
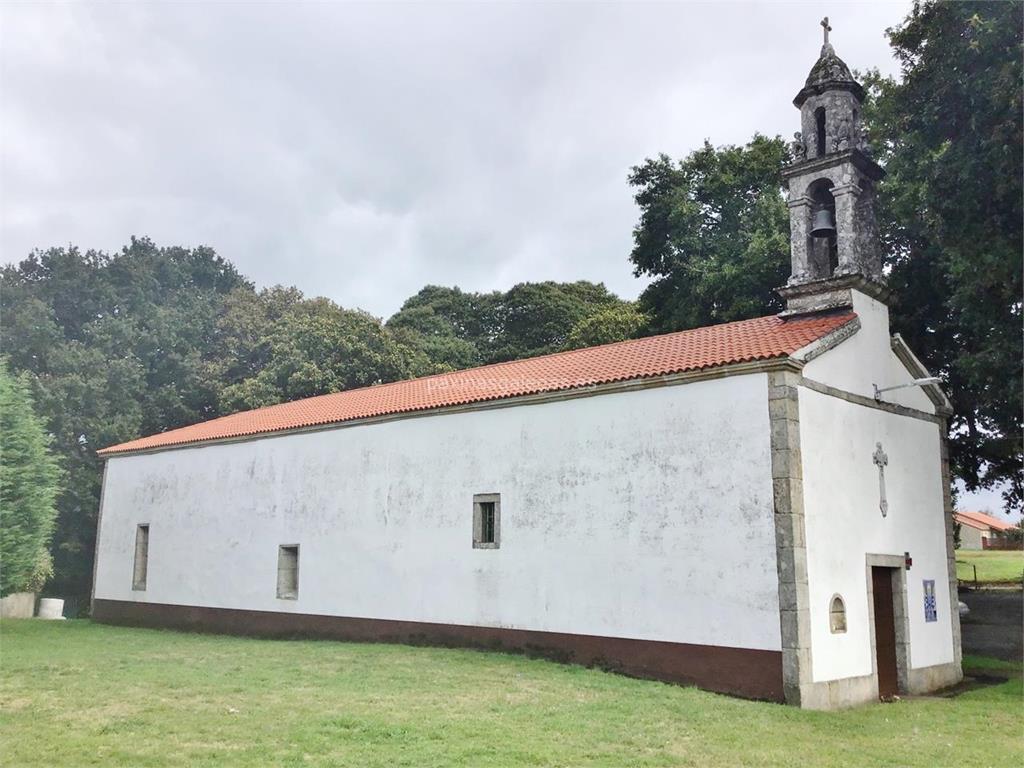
823, 250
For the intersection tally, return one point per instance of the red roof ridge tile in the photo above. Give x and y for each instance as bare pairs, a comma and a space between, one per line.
739, 341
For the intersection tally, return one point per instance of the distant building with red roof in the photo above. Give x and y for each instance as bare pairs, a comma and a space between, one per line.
979, 530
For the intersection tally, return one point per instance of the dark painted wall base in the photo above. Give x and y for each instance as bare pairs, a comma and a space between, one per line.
743, 672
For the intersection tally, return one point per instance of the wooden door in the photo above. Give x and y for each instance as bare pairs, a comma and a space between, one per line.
885, 633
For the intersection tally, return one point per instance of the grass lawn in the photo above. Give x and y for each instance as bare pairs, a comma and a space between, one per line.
75, 693
993, 565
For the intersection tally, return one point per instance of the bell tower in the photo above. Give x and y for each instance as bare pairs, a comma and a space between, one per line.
833, 232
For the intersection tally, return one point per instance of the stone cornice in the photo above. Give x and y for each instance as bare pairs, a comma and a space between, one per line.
834, 293
856, 157
816, 89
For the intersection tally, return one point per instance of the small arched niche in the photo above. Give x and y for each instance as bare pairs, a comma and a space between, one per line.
837, 615
823, 250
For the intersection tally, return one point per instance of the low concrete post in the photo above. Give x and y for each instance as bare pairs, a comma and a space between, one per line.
18, 605
51, 608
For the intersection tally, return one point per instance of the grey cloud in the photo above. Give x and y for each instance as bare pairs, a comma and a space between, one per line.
362, 151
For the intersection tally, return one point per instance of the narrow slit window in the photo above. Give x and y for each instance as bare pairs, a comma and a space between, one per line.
141, 569
837, 615
486, 520
819, 125
288, 572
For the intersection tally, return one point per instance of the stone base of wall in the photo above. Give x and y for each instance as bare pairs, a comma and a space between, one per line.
928, 679
851, 691
19, 605
750, 673
839, 694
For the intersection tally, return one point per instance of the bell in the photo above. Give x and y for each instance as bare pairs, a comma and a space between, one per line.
822, 224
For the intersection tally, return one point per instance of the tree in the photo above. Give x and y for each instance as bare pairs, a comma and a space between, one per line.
536, 318
458, 329
434, 341
472, 316
614, 323
1016, 534
713, 232
949, 133
240, 346
29, 484
316, 347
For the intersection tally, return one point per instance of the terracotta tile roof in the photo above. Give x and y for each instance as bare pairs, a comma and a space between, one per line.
981, 521
763, 338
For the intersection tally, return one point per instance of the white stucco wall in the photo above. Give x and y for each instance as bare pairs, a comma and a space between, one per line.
643, 514
866, 358
841, 499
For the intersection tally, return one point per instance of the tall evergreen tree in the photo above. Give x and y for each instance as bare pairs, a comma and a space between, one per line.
29, 484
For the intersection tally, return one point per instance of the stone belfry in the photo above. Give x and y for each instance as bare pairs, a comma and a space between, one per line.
833, 230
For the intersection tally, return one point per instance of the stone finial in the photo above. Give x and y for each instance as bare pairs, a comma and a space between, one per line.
826, 27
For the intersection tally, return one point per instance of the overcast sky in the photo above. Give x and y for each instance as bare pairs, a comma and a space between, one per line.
361, 151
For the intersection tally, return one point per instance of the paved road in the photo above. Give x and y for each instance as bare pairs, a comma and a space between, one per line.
995, 625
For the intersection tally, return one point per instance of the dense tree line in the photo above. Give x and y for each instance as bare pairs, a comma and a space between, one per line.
453, 329
714, 228
114, 346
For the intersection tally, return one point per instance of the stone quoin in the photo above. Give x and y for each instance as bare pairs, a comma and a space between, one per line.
709, 507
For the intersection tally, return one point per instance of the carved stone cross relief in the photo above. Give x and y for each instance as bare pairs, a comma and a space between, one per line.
881, 461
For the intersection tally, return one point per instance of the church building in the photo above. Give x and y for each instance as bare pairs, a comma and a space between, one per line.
759, 508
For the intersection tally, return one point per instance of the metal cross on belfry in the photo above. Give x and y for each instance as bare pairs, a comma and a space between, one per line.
824, 23
881, 460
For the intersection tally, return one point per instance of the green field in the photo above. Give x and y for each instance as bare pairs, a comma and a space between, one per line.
76, 693
994, 566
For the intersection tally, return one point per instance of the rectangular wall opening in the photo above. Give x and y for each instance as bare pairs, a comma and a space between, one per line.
486, 520
141, 568
288, 572
885, 632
